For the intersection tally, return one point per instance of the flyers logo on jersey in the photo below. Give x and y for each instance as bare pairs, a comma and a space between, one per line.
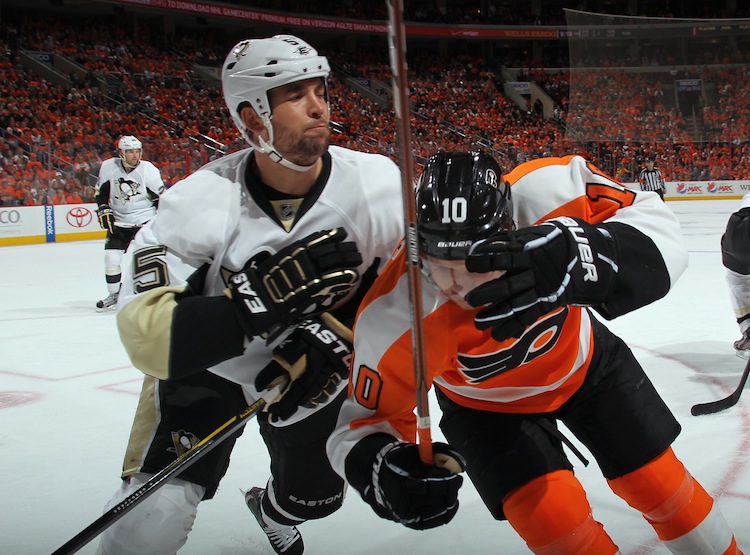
536, 341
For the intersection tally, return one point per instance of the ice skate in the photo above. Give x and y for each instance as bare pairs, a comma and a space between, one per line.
285, 541
108, 303
742, 345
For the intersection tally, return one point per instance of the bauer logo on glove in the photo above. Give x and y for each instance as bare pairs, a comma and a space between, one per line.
584, 249
563, 261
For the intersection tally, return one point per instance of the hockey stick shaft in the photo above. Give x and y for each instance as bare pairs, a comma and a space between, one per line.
167, 473
397, 53
719, 405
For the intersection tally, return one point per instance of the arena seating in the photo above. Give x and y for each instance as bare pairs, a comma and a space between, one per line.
53, 136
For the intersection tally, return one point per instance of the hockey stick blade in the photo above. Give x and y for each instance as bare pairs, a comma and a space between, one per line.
167, 473
713, 407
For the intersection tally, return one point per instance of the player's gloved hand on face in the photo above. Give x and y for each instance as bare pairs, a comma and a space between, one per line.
564, 261
316, 357
301, 278
106, 218
418, 495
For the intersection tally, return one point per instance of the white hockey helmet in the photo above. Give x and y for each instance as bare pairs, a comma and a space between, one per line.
255, 66
128, 142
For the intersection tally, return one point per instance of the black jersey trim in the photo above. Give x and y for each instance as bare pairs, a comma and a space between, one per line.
262, 194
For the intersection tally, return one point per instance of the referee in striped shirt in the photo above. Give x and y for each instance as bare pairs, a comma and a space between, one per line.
651, 179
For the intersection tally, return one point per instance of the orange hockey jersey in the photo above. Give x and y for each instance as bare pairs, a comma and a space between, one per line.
545, 366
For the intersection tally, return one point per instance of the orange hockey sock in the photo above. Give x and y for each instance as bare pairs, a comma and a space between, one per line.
683, 514
551, 513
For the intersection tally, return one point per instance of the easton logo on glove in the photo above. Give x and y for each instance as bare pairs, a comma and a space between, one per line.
249, 297
316, 358
326, 336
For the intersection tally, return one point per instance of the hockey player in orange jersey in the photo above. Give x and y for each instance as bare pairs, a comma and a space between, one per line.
513, 348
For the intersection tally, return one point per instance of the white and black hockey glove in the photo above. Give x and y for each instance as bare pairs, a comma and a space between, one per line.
106, 218
305, 277
564, 261
417, 495
316, 357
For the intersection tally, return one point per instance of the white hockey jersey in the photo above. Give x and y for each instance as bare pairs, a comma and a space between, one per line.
133, 194
217, 219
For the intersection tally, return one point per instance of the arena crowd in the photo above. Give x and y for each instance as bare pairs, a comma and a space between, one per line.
53, 137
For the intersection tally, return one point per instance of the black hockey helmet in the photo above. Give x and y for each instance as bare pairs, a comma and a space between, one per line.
460, 199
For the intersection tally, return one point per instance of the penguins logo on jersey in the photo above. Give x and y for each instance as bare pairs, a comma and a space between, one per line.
183, 441
537, 340
127, 189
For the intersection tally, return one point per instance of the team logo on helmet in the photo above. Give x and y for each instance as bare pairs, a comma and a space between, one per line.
301, 48
241, 49
490, 178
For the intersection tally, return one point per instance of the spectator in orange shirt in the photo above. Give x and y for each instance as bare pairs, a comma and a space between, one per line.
73, 198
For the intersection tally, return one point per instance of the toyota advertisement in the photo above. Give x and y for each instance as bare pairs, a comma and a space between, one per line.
22, 225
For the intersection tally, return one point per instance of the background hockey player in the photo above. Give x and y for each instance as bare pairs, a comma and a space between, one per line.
292, 200
127, 195
735, 255
530, 354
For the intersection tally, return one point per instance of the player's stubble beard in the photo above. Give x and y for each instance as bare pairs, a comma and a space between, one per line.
302, 150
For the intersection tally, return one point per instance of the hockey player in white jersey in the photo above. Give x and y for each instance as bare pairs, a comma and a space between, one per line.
735, 255
228, 224
127, 194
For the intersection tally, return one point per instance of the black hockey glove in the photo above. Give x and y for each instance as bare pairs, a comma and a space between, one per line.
417, 495
106, 218
316, 356
564, 261
305, 277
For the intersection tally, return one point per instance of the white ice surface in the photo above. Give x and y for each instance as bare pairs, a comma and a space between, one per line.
68, 392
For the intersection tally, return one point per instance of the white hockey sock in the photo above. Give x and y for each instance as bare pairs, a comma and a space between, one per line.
159, 525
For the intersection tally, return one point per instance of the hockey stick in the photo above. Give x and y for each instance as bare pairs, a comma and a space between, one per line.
397, 53
167, 473
722, 404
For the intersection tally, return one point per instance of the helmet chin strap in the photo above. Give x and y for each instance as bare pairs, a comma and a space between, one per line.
127, 166
266, 147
